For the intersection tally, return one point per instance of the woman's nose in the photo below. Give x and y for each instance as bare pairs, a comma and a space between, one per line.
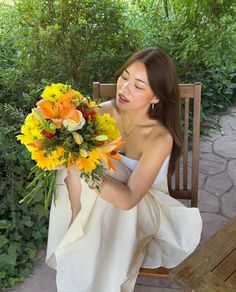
125, 85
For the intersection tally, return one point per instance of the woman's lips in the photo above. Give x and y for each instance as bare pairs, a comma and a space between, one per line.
122, 99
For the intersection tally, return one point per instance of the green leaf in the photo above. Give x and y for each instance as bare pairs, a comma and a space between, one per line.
27, 221
12, 252
6, 259
4, 224
3, 240
2, 274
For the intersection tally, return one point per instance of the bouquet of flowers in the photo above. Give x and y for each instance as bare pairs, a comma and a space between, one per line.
66, 129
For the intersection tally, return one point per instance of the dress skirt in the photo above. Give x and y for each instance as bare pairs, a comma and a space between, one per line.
104, 248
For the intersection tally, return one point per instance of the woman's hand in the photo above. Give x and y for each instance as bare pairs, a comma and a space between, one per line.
74, 187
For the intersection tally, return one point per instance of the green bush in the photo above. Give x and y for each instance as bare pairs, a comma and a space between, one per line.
200, 36
77, 41
23, 229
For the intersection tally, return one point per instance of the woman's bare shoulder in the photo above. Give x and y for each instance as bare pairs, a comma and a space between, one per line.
160, 137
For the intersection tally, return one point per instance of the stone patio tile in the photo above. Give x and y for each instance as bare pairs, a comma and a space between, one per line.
229, 203
208, 202
201, 180
210, 163
228, 125
218, 184
232, 122
43, 279
212, 134
205, 146
232, 109
231, 170
225, 146
208, 138
212, 124
211, 223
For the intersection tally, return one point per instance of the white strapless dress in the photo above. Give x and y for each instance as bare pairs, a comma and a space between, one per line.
104, 248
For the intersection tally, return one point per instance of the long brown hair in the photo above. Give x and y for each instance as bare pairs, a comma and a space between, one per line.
163, 80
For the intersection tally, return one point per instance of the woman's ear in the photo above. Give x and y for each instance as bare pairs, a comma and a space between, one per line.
155, 100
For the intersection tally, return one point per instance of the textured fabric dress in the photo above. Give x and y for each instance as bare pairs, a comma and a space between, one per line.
104, 248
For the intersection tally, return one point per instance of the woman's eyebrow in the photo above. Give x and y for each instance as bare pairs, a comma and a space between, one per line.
141, 81
137, 78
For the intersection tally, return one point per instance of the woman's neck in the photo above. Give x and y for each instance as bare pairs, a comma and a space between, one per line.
134, 118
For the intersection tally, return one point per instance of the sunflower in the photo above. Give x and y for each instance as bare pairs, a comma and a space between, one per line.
51, 161
90, 162
106, 125
54, 91
31, 130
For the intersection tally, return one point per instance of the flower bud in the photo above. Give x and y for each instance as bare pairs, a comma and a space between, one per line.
50, 127
83, 153
101, 138
77, 138
37, 114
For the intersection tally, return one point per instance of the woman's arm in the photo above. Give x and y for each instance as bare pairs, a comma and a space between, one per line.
73, 184
73, 181
127, 196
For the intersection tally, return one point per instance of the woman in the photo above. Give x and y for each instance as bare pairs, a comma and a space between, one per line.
99, 240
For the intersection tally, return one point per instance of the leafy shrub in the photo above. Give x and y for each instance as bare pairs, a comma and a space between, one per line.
200, 37
77, 41
22, 228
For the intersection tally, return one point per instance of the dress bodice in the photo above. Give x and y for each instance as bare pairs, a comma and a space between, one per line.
131, 164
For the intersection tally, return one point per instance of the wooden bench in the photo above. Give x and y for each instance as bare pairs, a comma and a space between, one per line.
211, 267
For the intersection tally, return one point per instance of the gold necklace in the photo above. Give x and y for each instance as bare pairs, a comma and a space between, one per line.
125, 132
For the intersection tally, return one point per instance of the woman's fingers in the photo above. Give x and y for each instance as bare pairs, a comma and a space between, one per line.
73, 175
60, 167
73, 171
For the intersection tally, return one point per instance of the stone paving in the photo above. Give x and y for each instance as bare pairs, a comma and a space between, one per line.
217, 202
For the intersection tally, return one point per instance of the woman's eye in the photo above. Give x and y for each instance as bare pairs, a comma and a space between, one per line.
138, 87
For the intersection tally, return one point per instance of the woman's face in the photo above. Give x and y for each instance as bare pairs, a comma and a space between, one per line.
133, 89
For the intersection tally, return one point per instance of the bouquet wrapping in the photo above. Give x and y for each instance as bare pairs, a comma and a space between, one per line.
66, 129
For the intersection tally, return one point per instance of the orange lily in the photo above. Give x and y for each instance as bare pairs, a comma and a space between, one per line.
107, 150
57, 111
36, 144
